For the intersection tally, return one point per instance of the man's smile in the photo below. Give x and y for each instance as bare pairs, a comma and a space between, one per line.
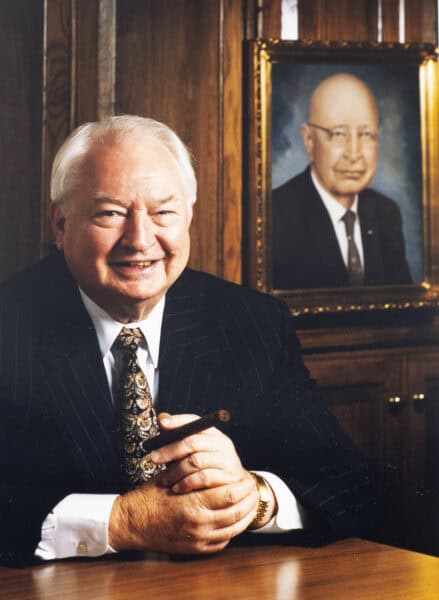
350, 174
135, 266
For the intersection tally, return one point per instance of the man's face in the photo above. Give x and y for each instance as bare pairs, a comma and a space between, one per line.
124, 229
344, 168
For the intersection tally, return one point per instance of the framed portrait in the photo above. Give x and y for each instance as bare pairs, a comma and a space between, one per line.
343, 150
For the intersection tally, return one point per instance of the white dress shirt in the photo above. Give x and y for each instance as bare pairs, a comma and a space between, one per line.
78, 525
336, 213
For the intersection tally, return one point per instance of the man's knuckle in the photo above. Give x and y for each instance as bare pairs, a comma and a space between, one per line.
195, 460
231, 496
238, 514
203, 478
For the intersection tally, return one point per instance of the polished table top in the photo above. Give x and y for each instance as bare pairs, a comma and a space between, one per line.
352, 569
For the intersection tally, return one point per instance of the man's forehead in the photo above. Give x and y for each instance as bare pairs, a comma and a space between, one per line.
344, 100
137, 163
154, 183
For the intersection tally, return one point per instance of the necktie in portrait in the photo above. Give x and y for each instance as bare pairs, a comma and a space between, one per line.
354, 266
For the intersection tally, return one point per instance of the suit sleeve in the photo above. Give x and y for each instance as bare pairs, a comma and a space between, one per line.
299, 440
25, 500
394, 252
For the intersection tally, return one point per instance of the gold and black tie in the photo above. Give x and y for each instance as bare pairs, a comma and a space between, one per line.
138, 417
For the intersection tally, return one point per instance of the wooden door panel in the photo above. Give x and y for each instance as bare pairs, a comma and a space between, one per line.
422, 462
357, 388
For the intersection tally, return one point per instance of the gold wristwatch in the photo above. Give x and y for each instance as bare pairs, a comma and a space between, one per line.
264, 501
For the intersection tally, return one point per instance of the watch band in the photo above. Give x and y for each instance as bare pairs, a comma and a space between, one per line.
264, 501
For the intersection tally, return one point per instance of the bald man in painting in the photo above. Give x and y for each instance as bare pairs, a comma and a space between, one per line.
329, 228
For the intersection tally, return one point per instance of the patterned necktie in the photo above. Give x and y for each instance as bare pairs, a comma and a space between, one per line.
355, 269
138, 417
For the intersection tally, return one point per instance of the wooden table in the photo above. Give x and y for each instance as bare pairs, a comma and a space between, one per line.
351, 569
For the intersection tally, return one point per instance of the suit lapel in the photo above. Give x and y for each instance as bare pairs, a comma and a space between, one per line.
324, 239
75, 383
370, 238
191, 378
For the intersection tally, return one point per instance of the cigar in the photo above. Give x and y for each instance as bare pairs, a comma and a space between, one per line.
179, 433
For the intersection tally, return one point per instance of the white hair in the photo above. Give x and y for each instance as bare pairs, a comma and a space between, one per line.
68, 160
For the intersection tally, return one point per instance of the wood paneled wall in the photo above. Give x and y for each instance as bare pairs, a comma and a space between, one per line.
21, 26
180, 61
347, 20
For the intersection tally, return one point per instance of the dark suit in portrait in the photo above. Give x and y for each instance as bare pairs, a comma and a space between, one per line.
221, 346
306, 253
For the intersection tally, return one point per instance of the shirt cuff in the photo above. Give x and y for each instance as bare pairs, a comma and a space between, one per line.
77, 526
290, 514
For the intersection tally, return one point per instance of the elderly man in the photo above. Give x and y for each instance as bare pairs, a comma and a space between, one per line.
112, 340
329, 228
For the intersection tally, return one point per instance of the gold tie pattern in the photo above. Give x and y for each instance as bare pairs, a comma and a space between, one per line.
139, 420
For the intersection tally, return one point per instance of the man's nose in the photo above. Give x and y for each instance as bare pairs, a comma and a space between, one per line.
139, 231
353, 149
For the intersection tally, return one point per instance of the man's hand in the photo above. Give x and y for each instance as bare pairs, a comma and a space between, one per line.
203, 499
204, 460
153, 517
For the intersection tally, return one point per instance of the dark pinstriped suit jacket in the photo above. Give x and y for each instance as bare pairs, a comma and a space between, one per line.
222, 346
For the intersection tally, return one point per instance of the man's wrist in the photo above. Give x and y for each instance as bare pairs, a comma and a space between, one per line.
267, 505
118, 526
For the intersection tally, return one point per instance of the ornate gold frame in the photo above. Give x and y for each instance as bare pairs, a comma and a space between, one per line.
262, 54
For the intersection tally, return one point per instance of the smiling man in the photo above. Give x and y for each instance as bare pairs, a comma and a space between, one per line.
124, 229
112, 340
329, 228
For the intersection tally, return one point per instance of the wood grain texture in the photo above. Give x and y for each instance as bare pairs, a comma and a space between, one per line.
337, 20
421, 21
271, 19
251, 19
390, 20
398, 440
357, 387
58, 105
85, 61
422, 462
70, 83
168, 68
20, 139
231, 139
106, 58
342, 571
378, 330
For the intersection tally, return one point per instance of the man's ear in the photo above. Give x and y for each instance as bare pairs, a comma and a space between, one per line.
308, 140
57, 219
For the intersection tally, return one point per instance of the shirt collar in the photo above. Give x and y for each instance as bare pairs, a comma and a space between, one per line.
107, 328
335, 209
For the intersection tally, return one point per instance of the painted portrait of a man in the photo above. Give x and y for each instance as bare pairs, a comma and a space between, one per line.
334, 222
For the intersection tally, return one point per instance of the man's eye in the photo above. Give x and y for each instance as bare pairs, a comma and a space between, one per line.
110, 213
108, 218
367, 135
164, 213
338, 134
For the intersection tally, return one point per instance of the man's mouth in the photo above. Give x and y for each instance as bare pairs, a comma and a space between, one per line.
352, 174
134, 264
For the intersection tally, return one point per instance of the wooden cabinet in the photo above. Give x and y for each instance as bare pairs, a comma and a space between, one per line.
387, 401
